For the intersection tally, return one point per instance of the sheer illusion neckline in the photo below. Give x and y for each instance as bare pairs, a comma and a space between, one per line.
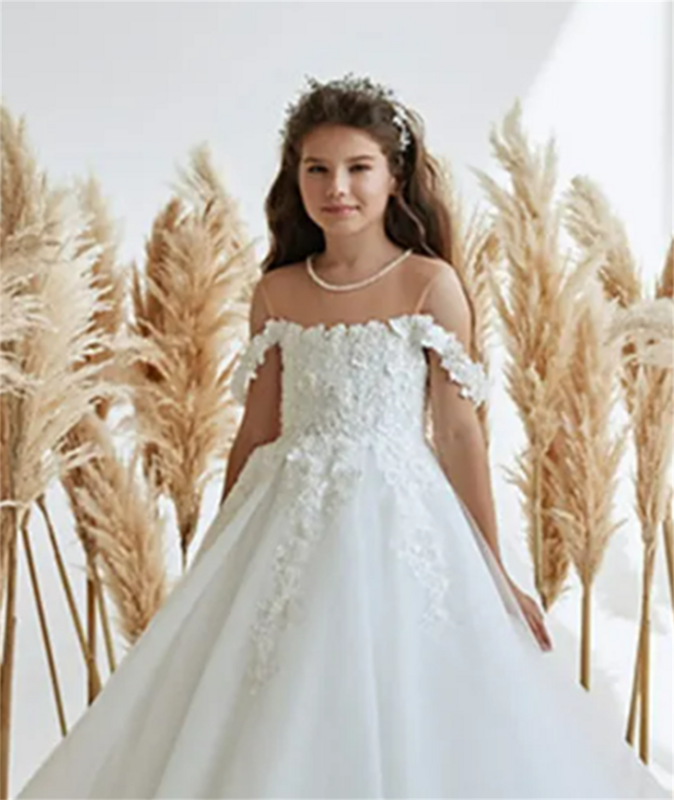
328, 327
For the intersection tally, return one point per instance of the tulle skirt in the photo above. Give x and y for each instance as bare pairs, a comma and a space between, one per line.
368, 698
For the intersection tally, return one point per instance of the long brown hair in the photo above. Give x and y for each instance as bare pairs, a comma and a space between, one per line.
416, 216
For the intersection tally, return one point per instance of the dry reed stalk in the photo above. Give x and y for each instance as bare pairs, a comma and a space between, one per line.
664, 357
87, 653
668, 536
584, 472
39, 234
44, 628
649, 398
6, 490
647, 329
20, 191
590, 222
98, 603
123, 531
21, 213
654, 430
19, 316
94, 595
9, 525
538, 322
7, 667
109, 321
190, 311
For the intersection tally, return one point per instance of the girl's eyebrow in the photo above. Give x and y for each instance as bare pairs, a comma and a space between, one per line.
307, 159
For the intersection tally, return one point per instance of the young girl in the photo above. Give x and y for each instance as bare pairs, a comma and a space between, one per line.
348, 628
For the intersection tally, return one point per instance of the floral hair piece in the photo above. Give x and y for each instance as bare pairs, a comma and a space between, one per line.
363, 86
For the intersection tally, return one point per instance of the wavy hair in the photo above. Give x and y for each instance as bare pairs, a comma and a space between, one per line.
416, 216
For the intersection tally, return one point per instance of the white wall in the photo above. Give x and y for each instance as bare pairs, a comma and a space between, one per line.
126, 89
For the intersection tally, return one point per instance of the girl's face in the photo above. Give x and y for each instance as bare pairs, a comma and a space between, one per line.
344, 178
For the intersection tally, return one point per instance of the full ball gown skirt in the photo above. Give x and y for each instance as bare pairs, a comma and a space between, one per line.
343, 630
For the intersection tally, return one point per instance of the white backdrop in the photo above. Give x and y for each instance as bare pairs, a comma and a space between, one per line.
126, 89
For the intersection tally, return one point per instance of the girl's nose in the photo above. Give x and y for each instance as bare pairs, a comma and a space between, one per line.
339, 182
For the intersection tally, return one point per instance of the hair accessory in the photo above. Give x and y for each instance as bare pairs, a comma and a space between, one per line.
364, 86
400, 123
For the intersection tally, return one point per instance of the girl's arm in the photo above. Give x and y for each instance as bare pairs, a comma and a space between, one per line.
261, 421
457, 430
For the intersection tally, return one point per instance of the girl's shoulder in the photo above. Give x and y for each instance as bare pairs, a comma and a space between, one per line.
284, 286
278, 284
428, 267
283, 272
419, 266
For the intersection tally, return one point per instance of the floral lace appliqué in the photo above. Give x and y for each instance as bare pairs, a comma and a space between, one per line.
348, 389
253, 356
469, 374
317, 480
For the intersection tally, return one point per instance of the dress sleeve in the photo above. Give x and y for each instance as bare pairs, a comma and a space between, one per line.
252, 357
468, 374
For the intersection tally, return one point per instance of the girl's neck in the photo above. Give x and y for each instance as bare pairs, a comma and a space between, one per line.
353, 255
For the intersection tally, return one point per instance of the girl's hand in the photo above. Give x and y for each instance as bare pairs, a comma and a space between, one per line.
534, 616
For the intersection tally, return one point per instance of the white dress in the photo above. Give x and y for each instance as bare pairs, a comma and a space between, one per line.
343, 630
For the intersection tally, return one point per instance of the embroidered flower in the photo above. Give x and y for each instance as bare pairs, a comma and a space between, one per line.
470, 375
253, 356
349, 390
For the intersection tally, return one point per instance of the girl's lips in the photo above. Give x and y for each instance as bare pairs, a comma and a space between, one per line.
340, 210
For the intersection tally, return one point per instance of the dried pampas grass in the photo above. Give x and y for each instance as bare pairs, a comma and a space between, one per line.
120, 512
649, 327
653, 420
99, 229
583, 472
535, 296
139, 599
590, 222
43, 259
190, 308
649, 397
55, 357
19, 317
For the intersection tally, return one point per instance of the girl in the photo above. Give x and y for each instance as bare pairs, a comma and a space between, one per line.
348, 628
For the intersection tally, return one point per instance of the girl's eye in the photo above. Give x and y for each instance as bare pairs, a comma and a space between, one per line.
357, 166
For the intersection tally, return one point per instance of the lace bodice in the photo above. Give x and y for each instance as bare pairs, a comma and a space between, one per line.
349, 390
358, 380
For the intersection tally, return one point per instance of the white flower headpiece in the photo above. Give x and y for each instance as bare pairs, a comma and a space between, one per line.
363, 86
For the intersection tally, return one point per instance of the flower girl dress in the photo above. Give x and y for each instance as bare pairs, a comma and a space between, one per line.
344, 631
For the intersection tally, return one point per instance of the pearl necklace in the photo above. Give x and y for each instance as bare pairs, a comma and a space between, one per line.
347, 287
